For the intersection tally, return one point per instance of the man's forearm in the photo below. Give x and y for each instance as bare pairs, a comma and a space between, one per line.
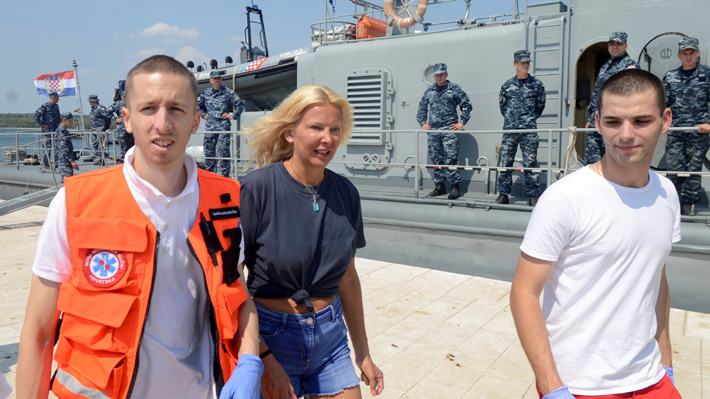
663, 309
530, 324
34, 367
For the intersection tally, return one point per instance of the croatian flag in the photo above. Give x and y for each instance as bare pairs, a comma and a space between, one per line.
62, 83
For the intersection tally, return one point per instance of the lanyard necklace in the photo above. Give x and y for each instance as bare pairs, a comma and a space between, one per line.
316, 207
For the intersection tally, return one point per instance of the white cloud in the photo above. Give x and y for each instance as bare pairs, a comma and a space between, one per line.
146, 53
236, 39
171, 32
189, 53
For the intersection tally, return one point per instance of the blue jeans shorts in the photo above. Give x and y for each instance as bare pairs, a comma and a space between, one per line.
312, 348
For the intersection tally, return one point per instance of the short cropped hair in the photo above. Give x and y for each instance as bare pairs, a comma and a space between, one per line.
633, 81
159, 64
268, 145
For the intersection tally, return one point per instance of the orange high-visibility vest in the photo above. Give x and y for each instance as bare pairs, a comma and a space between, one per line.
114, 247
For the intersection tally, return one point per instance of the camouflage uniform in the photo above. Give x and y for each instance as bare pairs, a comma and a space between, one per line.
521, 103
47, 114
213, 103
439, 103
65, 151
688, 98
99, 120
125, 139
595, 144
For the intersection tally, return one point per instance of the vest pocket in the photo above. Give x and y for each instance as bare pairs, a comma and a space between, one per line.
97, 321
89, 375
229, 300
103, 253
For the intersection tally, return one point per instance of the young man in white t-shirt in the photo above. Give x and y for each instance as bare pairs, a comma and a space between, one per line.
151, 308
597, 242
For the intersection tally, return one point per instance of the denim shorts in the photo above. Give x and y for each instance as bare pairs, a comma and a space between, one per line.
312, 348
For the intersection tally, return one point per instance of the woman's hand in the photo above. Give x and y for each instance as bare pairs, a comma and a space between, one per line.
372, 376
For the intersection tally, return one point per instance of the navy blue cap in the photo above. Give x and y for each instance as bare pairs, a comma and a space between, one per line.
439, 68
53, 93
68, 116
688, 42
619, 37
215, 74
522, 56
93, 97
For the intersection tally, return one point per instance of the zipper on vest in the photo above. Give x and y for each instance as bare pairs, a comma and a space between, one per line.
147, 309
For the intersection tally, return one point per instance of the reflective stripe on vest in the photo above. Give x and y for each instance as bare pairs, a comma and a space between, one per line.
73, 385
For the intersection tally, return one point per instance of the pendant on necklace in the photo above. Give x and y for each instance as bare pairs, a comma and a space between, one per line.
316, 207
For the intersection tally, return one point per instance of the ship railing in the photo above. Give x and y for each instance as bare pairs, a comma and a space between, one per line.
341, 28
28, 147
559, 162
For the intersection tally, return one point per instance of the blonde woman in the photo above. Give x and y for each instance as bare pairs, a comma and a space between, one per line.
301, 232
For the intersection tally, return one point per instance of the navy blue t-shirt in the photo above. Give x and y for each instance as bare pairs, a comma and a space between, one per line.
289, 246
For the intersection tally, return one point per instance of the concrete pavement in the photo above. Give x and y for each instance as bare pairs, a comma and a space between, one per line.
434, 334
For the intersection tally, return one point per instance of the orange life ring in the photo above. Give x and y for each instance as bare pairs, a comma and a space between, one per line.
403, 23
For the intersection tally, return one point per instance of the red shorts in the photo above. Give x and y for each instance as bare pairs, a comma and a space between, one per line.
664, 389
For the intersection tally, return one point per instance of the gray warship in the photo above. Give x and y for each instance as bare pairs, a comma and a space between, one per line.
383, 71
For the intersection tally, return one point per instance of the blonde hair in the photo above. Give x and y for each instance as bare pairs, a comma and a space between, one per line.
267, 144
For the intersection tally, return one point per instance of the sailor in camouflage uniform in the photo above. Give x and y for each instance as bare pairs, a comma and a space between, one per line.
47, 116
66, 159
688, 96
521, 100
125, 139
618, 62
99, 121
437, 111
215, 103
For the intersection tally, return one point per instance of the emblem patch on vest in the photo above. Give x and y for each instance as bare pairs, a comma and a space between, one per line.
104, 267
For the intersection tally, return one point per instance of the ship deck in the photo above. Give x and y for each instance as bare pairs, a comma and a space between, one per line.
435, 334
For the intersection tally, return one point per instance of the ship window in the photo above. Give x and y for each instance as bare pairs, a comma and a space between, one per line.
367, 94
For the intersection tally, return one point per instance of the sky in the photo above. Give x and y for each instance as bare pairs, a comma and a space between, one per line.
107, 38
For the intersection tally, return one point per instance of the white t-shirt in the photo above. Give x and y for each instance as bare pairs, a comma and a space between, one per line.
609, 244
176, 351
5, 388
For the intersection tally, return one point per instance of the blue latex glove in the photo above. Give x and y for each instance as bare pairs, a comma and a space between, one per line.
669, 373
559, 393
245, 382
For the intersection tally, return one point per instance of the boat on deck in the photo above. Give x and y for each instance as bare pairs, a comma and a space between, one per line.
383, 71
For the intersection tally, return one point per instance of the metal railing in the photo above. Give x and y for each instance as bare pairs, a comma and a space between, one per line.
29, 143
568, 159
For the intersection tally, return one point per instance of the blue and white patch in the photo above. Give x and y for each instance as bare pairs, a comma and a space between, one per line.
104, 267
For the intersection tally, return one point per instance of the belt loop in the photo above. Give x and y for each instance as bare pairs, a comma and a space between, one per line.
284, 321
333, 311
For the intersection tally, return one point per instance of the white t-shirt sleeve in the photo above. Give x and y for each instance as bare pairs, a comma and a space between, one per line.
550, 227
53, 258
241, 245
676, 221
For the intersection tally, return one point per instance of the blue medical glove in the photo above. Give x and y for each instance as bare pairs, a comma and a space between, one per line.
669, 373
245, 382
559, 393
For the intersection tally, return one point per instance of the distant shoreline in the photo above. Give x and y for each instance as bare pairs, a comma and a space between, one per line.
25, 121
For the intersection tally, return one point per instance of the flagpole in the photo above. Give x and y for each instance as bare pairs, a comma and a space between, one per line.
78, 95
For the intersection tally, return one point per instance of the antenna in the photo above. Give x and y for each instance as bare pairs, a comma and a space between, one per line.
253, 52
